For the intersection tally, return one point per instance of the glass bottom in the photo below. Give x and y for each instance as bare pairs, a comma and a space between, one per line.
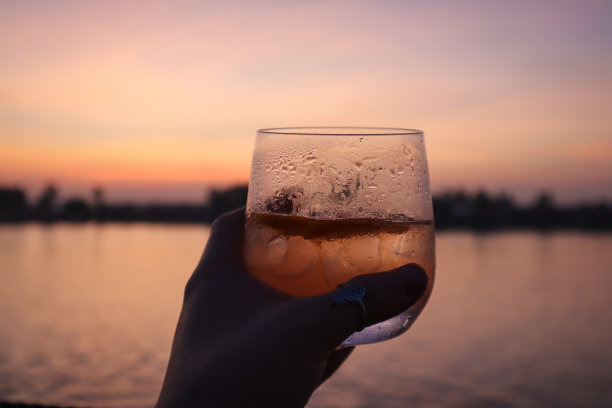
382, 331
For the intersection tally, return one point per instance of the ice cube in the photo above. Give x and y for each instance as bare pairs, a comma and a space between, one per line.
300, 257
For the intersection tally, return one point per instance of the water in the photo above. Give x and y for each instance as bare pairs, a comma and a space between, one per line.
515, 319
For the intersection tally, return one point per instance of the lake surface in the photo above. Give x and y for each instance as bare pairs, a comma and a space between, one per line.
516, 319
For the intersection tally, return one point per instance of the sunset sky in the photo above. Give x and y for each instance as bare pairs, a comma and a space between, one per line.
156, 100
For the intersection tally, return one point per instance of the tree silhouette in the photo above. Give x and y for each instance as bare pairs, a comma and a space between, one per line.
76, 209
13, 204
45, 205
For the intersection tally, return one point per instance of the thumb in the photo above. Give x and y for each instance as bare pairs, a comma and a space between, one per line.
387, 294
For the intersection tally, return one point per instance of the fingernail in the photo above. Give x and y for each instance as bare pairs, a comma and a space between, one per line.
416, 279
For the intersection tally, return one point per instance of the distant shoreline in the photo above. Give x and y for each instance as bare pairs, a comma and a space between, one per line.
456, 210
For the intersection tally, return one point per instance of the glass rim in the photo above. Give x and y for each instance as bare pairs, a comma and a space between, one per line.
340, 131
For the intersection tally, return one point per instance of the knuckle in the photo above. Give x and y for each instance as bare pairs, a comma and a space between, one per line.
189, 288
228, 220
192, 285
220, 222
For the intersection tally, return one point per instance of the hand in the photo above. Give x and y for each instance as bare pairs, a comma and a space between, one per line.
240, 343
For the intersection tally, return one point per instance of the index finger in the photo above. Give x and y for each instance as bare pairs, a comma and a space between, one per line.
226, 236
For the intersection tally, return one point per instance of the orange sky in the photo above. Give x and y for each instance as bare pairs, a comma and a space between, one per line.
158, 99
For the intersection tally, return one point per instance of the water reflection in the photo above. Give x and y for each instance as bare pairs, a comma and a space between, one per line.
516, 319
88, 311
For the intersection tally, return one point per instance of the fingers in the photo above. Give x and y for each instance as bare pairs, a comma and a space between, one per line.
223, 251
226, 236
387, 295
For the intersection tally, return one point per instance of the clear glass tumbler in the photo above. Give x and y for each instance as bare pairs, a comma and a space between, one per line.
327, 204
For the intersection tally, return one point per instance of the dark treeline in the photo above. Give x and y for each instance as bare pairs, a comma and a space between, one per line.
461, 210
15, 207
482, 211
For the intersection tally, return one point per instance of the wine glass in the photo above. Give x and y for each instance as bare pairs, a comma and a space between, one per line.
327, 204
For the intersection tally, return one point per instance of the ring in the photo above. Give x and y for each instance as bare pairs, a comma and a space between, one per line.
350, 292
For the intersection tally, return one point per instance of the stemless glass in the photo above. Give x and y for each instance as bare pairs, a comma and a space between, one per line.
327, 204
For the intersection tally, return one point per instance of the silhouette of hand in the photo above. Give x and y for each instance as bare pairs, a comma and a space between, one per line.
240, 343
